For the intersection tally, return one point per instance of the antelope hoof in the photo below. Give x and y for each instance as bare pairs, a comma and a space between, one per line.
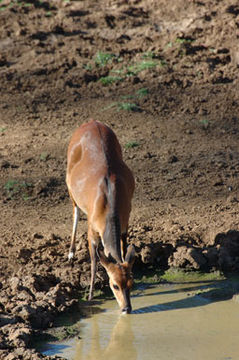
126, 310
70, 256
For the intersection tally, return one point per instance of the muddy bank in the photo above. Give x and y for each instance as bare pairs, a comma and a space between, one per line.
164, 76
31, 303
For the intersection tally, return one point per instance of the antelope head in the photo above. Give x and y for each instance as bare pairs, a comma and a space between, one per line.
120, 277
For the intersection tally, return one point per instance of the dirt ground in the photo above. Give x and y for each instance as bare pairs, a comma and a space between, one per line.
164, 76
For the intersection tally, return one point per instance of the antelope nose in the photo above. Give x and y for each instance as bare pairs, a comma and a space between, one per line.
126, 310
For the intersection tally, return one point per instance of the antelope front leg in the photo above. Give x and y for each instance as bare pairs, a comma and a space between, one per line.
124, 244
92, 240
73, 236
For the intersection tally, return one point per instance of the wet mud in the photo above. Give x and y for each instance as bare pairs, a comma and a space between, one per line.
164, 76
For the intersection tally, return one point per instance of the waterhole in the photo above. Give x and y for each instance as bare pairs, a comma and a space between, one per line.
169, 322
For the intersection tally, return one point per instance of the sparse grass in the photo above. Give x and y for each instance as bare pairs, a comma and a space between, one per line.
15, 2
114, 104
204, 123
16, 188
122, 106
141, 66
179, 275
128, 106
3, 129
102, 59
118, 71
149, 60
149, 55
175, 275
131, 144
139, 94
88, 67
108, 80
169, 44
213, 50
142, 92
27, 4
184, 40
44, 156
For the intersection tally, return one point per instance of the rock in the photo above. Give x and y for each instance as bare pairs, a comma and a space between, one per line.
173, 159
228, 250
150, 253
11, 356
15, 284
4, 164
188, 257
211, 254
19, 336
236, 298
25, 255
6, 319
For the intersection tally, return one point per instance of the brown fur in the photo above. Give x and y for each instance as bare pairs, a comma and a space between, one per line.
102, 186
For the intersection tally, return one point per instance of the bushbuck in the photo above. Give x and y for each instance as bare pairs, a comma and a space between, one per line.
102, 186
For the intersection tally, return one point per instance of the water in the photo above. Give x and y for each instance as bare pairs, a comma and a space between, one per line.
169, 322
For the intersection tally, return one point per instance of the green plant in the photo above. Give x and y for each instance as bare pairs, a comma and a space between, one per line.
163, 62
149, 55
143, 65
102, 59
131, 144
88, 67
169, 44
108, 80
118, 71
142, 92
15, 2
44, 156
15, 187
3, 129
128, 106
184, 40
179, 275
205, 123
114, 104
213, 50
139, 94
27, 5
122, 106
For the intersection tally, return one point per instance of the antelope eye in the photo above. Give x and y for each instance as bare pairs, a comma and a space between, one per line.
115, 287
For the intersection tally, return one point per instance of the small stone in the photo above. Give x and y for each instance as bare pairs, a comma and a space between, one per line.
173, 159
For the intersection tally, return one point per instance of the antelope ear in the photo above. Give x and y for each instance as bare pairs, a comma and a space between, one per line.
103, 259
130, 255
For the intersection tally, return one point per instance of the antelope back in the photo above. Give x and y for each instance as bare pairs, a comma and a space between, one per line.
98, 180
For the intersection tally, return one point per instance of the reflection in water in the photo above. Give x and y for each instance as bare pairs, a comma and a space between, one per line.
119, 345
168, 323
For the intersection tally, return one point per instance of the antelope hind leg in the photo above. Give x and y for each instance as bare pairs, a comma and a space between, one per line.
73, 236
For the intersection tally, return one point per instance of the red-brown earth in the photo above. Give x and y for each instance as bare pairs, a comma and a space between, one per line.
164, 76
